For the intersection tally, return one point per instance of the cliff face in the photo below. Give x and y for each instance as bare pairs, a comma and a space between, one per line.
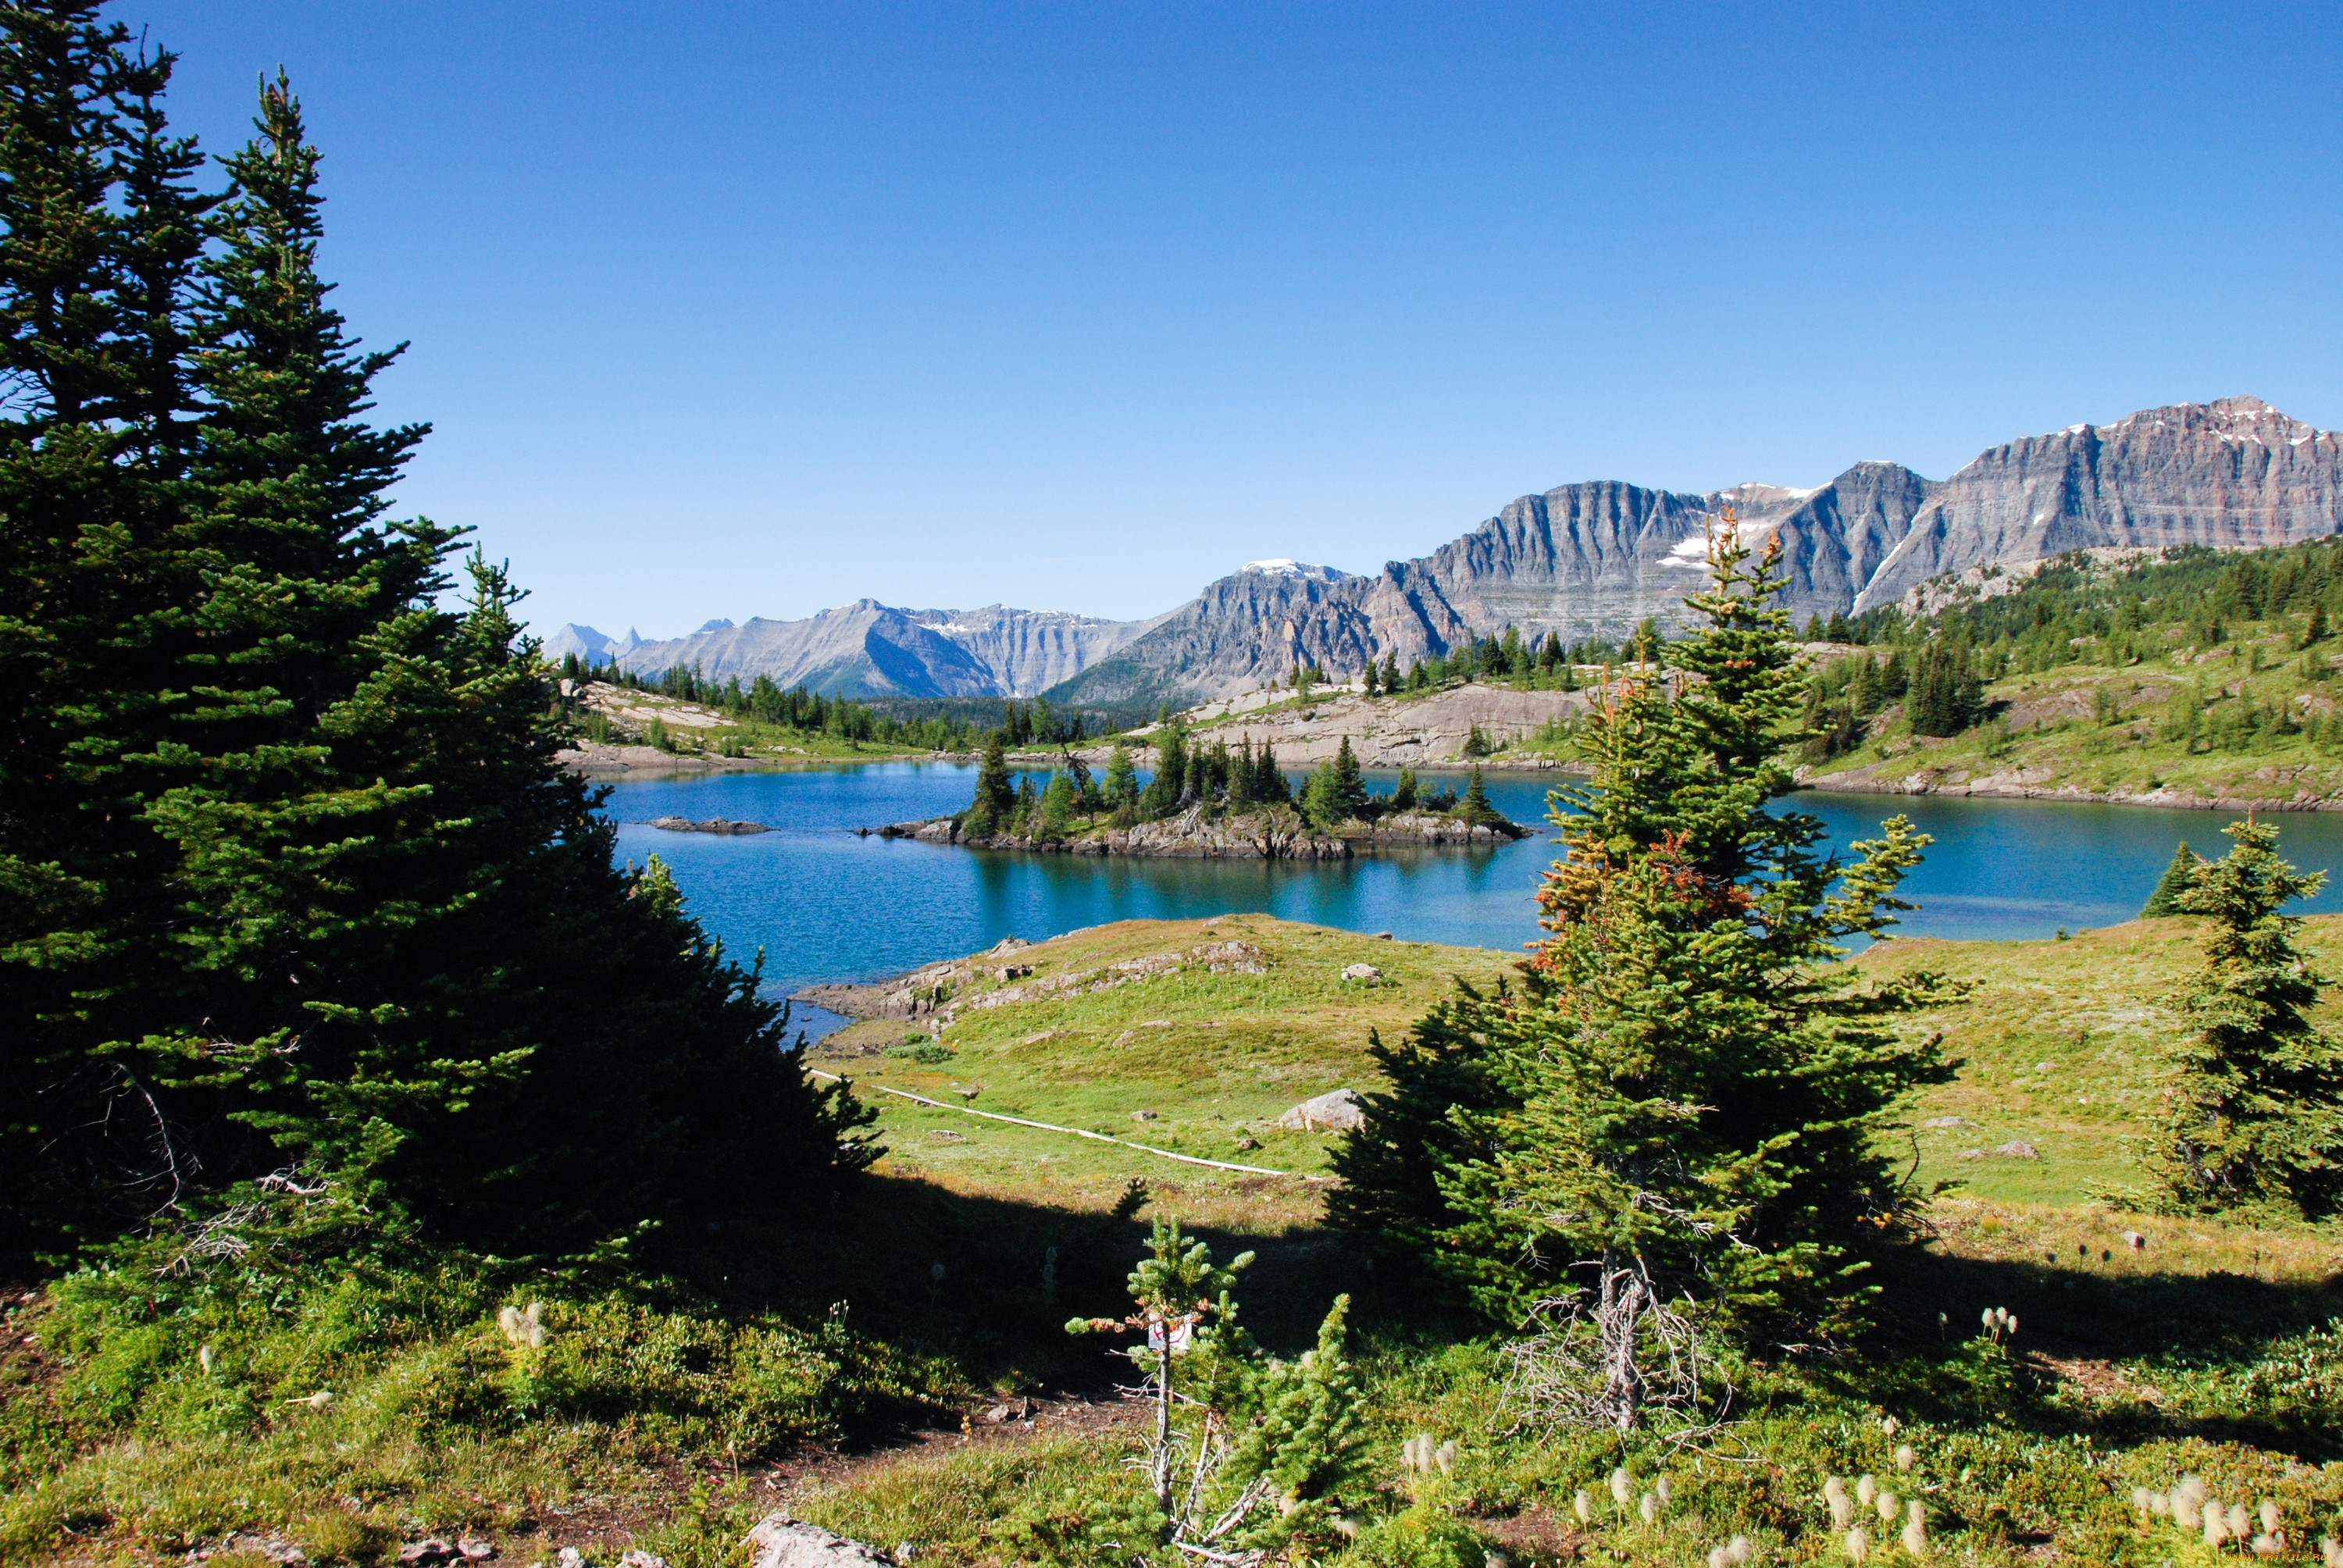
870, 649
2236, 474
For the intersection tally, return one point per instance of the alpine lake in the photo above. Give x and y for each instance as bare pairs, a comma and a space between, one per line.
822, 902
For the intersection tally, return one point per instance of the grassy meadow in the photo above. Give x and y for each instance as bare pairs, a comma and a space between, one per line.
850, 1380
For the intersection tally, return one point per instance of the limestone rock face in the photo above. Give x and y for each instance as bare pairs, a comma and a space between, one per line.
1593, 559
2235, 474
781, 1541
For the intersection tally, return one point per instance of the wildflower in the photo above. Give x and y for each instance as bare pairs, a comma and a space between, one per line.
1583, 1506
2183, 1506
2143, 1501
1916, 1529
1623, 1486
1738, 1551
2269, 1515
1649, 1508
204, 1359
2217, 1528
1666, 1489
1891, 1507
1905, 1457
1445, 1456
1858, 1546
523, 1326
1865, 1490
2330, 1552
2239, 1522
1842, 1507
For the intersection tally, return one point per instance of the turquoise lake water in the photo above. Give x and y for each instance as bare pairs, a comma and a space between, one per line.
826, 905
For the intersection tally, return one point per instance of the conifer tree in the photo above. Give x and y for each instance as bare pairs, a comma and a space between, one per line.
1161, 796
1474, 809
1349, 785
1268, 786
1403, 792
1374, 679
2254, 1119
996, 794
2178, 878
1056, 807
1391, 671
1686, 1097
1241, 776
1121, 784
301, 824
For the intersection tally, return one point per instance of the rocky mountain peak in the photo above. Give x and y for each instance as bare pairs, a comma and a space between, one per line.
1284, 568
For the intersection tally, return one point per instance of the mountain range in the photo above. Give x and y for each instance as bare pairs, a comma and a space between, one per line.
1584, 561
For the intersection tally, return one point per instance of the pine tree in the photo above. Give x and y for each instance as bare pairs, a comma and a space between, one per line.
1391, 671
1374, 679
996, 795
1403, 793
1161, 796
1474, 809
2255, 1117
1687, 1095
1241, 776
1350, 787
2313, 625
1268, 786
1121, 784
2178, 878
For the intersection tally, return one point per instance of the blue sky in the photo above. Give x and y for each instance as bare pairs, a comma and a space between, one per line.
740, 311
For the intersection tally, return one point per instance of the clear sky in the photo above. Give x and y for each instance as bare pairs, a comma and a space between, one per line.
734, 310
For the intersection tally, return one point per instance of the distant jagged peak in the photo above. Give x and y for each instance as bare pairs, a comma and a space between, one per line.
2231, 418
1754, 495
719, 624
1282, 567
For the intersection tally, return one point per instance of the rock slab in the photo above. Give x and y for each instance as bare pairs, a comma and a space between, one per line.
781, 1542
1338, 1112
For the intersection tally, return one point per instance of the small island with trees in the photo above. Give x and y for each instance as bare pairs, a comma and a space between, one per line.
1212, 802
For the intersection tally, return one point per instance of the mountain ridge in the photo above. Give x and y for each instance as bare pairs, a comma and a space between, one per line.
1584, 561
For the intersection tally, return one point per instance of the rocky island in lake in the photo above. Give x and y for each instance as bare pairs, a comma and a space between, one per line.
1210, 802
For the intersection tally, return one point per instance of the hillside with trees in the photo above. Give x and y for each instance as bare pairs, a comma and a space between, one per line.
2182, 675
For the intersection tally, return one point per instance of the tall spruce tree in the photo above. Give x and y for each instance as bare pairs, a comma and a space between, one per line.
304, 884
995, 801
94, 221
2253, 1119
1684, 1094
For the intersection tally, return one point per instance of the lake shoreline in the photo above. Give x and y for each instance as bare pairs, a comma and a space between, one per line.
1997, 788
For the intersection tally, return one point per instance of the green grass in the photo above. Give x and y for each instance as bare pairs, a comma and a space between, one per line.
658, 1409
2048, 731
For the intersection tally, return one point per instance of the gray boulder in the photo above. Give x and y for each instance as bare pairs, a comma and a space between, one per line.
1339, 1111
781, 1542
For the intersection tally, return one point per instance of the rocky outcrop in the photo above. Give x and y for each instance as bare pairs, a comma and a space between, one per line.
1339, 1111
1393, 732
870, 649
1276, 833
781, 1542
713, 825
